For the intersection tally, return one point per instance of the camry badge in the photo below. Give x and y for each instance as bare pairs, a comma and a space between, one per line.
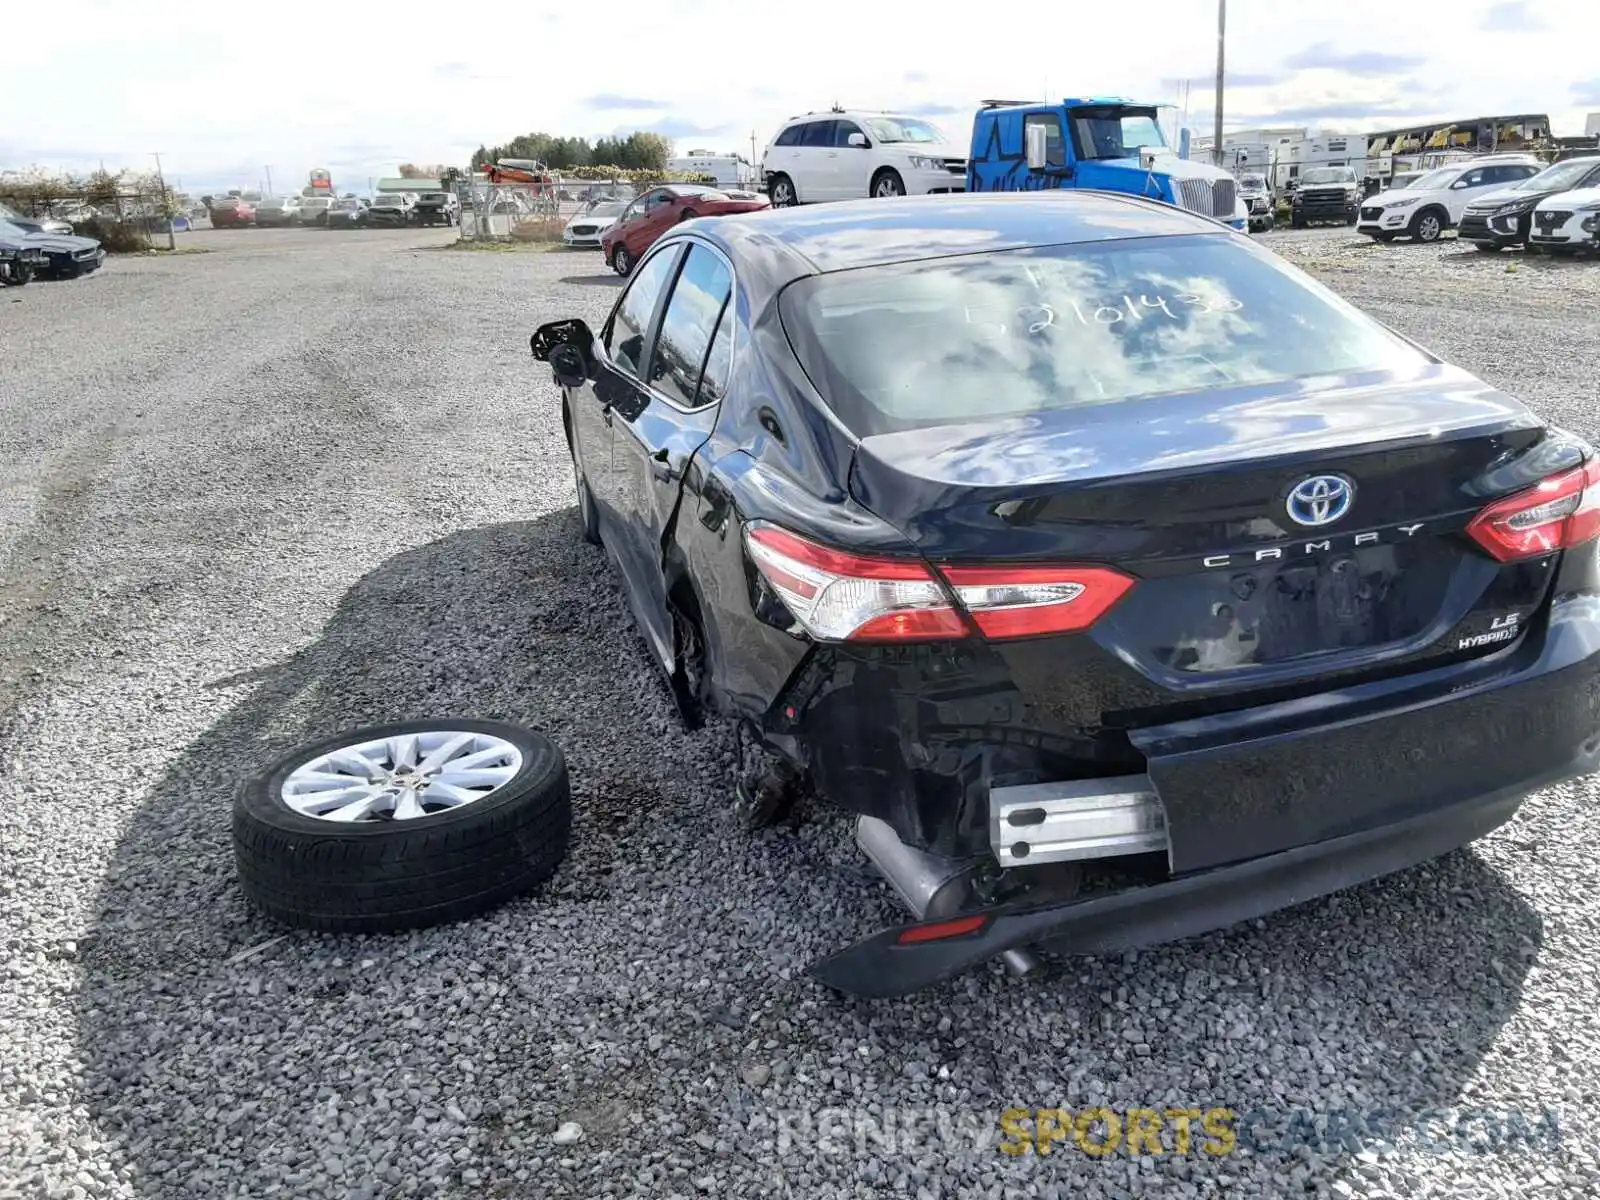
1320, 500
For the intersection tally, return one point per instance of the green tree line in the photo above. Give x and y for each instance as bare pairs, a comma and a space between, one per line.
639, 151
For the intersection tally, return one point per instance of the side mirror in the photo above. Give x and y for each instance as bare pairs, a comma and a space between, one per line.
1147, 157
569, 364
548, 337
858, 139
1035, 137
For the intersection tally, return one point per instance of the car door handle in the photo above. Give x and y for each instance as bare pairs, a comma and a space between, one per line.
661, 466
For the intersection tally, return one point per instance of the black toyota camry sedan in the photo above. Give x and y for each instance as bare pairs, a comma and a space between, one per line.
1122, 580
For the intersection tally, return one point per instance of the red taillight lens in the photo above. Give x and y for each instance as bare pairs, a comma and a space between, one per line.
1554, 514
1015, 602
938, 931
838, 596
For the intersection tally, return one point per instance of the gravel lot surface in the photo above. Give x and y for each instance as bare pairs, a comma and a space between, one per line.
313, 480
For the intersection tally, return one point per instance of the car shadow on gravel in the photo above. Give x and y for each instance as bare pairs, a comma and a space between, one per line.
600, 281
218, 1050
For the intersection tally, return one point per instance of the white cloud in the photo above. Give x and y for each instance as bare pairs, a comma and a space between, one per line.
224, 96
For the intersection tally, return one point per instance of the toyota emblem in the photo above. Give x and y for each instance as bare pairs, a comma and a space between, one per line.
1320, 500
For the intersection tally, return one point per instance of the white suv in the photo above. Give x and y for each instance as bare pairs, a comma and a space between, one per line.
1435, 202
843, 155
1567, 222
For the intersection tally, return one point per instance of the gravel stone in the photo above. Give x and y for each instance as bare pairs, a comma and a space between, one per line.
311, 480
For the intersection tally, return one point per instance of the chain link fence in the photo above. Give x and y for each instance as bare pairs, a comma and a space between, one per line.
508, 212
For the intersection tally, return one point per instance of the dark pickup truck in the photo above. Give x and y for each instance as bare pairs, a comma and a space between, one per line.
438, 208
1326, 194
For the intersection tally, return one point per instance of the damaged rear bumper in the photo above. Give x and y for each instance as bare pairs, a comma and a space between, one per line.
898, 961
1264, 812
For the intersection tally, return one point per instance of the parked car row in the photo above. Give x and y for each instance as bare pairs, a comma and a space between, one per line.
386, 208
1494, 202
41, 249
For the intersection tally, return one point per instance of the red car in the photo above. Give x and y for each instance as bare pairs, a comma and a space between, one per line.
229, 212
659, 209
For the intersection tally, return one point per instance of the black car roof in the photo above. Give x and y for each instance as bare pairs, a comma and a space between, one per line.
773, 247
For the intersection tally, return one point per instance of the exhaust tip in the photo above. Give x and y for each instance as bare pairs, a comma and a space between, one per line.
1020, 962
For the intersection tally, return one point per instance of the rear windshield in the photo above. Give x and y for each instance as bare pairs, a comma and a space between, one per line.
387, 198
1011, 332
1329, 175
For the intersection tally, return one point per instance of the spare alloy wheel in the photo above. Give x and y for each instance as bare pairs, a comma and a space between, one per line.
402, 826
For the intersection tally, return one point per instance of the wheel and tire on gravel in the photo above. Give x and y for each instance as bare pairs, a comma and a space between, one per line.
402, 826
780, 190
887, 183
1427, 225
621, 261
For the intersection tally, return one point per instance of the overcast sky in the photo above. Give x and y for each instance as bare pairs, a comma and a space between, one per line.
223, 93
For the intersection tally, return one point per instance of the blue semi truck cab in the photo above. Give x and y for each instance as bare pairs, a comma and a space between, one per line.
1109, 144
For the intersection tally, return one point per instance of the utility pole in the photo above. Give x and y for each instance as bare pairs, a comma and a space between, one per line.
269, 181
1216, 128
166, 210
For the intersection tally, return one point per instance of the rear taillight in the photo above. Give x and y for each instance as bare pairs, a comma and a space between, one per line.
847, 597
1012, 602
838, 596
1554, 514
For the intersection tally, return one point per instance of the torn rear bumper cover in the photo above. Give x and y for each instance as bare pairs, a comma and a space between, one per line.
902, 960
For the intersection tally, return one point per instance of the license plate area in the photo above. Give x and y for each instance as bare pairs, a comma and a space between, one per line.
1247, 614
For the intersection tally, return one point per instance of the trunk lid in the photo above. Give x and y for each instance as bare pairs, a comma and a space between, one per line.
1192, 497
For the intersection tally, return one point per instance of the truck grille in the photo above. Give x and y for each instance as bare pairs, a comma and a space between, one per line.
1207, 197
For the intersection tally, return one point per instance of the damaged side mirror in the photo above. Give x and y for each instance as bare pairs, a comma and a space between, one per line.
555, 333
568, 347
569, 365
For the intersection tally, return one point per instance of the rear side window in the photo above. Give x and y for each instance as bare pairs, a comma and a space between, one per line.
625, 338
819, 133
1008, 333
688, 325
